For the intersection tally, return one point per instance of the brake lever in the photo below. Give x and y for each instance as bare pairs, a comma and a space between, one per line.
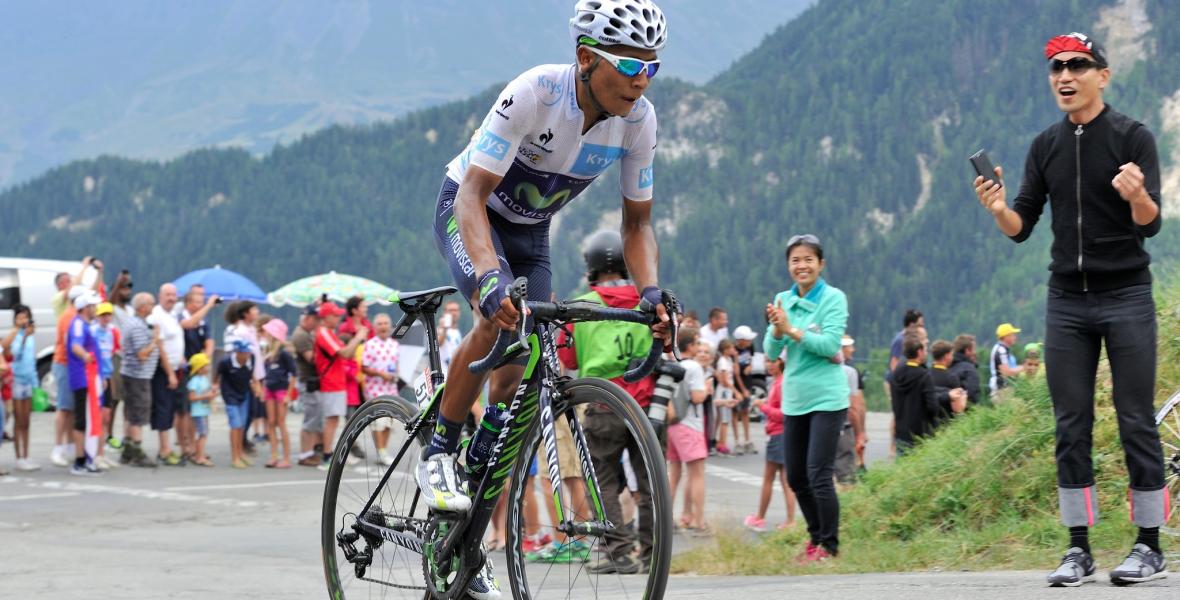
518, 292
673, 305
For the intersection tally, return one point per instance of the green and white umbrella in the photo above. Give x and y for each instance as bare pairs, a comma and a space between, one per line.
339, 288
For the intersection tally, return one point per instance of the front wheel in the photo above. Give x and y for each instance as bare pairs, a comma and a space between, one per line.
632, 560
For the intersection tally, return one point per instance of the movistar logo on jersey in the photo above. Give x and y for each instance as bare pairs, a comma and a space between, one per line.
594, 159
536, 199
493, 145
488, 285
452, 226
646, 177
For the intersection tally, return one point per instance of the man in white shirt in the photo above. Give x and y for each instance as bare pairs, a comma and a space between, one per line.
717, 328
168, 383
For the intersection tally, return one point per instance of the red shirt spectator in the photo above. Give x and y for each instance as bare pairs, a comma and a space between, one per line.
328, 364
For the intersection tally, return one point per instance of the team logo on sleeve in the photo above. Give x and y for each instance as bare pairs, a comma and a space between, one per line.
646, 177
492, 145
507, 102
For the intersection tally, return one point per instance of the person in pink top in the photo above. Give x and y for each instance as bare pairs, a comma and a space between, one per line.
775, 456
379, 361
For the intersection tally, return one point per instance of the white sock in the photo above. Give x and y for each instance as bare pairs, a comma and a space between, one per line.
306, 455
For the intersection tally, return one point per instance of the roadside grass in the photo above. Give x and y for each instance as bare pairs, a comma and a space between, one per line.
979, 495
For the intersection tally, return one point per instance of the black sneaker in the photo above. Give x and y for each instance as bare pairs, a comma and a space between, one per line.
1142, 564
1076, 568
623, 565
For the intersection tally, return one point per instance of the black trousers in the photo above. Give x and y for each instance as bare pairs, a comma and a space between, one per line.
1077, 324
811, 441
607, 437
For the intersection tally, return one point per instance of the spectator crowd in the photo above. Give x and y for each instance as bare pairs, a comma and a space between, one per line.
155, 355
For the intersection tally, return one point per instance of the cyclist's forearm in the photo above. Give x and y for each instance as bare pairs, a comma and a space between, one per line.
639, 244
475, 230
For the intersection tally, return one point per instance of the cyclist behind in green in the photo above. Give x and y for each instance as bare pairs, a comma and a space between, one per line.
604, 349
550, 133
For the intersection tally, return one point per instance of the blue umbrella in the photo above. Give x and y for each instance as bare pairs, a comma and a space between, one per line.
227, 284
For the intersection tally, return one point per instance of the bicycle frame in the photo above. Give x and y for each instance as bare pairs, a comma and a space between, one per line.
532, 404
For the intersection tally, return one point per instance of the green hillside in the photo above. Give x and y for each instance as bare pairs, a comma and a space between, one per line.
853, 121
980, 495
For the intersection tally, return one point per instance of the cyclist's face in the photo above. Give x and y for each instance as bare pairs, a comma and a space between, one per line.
616, 92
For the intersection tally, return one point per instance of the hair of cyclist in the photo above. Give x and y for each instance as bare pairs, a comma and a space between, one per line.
964, 342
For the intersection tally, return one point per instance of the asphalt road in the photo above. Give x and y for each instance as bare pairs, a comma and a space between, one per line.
196, 532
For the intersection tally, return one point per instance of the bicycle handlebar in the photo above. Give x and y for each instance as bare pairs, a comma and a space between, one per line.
510, 343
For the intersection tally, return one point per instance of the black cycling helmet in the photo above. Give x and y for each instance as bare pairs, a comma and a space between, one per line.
604, 253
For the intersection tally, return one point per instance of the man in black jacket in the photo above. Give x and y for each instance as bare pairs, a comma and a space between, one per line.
916, 402
942, 352
964, 368
1100, 173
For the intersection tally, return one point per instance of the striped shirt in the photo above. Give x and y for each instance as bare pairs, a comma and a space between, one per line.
136, 337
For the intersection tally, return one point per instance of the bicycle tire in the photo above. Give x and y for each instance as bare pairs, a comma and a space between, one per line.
609, 395
338, 572
1167, 420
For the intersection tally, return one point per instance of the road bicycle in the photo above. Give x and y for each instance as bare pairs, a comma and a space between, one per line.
381, 539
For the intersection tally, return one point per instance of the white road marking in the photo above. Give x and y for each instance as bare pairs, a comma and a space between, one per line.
733, 475
247, 486
37, 497
71, 488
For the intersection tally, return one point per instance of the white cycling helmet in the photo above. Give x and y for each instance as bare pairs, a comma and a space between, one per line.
635, 23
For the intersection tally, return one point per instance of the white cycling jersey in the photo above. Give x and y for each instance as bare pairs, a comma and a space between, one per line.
532, 137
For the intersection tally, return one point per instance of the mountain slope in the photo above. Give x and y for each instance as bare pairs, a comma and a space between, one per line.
153, 80
853, 122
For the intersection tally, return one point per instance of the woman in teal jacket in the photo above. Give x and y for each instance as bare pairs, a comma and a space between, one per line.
807, 323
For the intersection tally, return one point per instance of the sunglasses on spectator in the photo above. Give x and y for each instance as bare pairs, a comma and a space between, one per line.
1075, 65
806, 238
628, 66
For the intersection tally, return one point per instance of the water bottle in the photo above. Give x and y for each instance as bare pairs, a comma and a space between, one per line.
480, 448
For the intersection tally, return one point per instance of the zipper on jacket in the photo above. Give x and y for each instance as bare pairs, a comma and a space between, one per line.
1077, 137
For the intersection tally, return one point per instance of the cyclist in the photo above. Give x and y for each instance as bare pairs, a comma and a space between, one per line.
604, 349
549, 134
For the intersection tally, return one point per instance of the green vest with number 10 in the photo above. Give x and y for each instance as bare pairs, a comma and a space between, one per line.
605, 347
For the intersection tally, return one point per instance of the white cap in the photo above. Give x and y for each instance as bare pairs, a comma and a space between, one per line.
76, 291
744, 333
847, 341
88, 298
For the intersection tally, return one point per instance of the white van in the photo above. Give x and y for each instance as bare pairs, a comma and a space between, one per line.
29, 281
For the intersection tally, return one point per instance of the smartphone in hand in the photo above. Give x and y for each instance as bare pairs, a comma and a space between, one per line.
983, 167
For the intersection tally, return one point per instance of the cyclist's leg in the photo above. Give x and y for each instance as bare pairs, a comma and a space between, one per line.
462, 386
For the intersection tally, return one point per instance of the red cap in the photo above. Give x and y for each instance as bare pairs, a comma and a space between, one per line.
328, 309
1075, 42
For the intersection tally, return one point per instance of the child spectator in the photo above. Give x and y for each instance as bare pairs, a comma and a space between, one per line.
21, 345
235, 377
200, 394
686, 437
772, 407
104, 334
280, 385
725, 397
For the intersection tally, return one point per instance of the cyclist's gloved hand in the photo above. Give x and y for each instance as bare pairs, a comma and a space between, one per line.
653, 297
493, 291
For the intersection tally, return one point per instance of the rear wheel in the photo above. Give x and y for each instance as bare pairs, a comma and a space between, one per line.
1168, 421
612, 413
379, 568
